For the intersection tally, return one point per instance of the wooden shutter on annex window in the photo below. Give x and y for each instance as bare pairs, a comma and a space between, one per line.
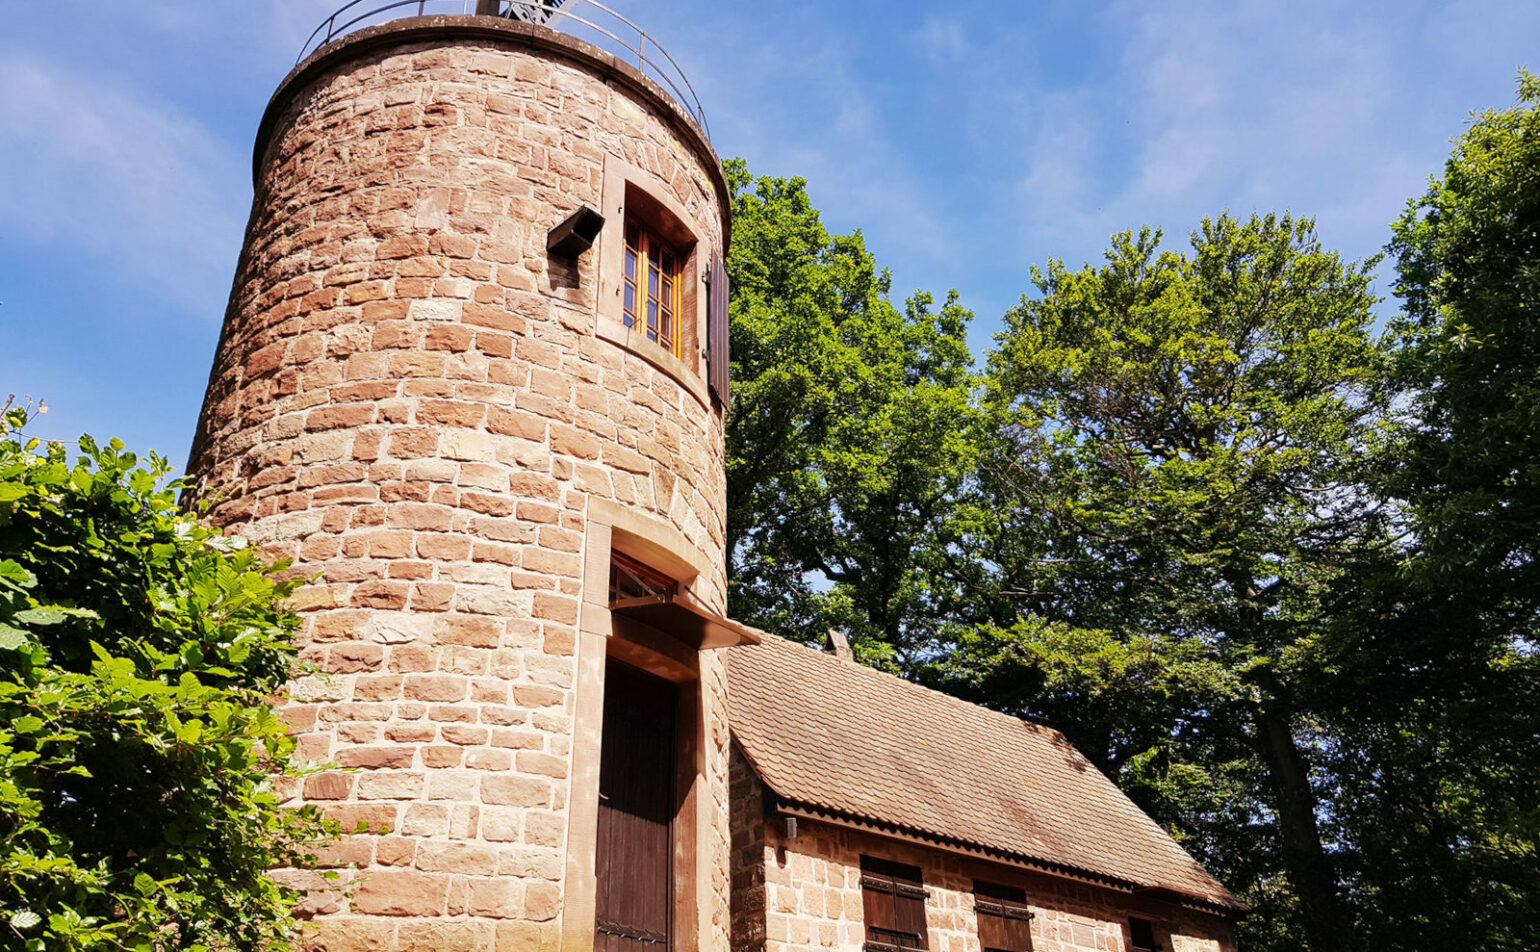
893, 897
717, 326
1005, 923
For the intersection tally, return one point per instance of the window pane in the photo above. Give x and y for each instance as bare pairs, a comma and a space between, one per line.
652, 287
631, 579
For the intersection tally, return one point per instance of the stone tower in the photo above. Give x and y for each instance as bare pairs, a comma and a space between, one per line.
500, 449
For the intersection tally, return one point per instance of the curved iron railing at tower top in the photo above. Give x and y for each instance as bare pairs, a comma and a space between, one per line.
585, 20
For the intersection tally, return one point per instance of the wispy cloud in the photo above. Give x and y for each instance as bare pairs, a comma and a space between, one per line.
1215, 106
941, 38
132, 185
805, 109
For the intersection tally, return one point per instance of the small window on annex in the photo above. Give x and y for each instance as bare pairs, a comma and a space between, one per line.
893, 899
1141, 935
1005, 923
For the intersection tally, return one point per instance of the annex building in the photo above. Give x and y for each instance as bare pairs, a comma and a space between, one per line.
472, 379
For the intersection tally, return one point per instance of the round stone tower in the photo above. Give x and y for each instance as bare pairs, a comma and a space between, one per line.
471, 379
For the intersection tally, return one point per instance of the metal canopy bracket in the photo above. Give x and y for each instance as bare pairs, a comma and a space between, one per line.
685, 618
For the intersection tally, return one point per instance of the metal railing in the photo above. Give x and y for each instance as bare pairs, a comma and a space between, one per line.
585, 20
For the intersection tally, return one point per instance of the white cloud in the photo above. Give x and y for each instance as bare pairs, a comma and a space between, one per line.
127, 183
1217, 106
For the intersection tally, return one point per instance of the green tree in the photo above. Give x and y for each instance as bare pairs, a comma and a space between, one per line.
138, 750
1174, 487
848, 435
1468, 260
1446, 824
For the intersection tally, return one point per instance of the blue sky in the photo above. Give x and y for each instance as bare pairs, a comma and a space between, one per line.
967, 140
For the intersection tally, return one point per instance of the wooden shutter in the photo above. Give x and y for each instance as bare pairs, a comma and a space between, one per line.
1005, 922
893, 899
717, 326
634, 858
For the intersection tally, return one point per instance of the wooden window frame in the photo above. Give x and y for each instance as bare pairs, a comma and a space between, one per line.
632, 195
652, 287
881, 878
1008, 905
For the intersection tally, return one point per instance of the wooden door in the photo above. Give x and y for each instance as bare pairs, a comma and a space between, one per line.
634, 863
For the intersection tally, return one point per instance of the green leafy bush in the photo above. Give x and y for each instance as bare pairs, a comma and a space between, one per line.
139, 752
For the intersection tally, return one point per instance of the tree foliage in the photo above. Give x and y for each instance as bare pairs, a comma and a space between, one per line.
847, 438
1468, 262
138, 747
1443, 791
1180, 439
1269, 562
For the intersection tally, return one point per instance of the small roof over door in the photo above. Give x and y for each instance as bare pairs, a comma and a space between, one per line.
680, 614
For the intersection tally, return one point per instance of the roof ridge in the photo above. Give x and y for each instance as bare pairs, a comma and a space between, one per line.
877, 673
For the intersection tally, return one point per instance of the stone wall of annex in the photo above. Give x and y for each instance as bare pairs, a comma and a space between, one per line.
409, 400
804, 894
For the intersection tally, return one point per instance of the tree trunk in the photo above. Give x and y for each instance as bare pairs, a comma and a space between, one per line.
1309, 868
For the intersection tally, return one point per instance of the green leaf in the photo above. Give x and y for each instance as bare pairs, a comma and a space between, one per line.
25, 919
41, 616
13, 572
12, 638
10, 492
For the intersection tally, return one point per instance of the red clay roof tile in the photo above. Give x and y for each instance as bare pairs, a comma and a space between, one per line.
843, 737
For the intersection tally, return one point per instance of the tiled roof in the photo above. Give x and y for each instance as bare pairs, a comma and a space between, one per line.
841, 737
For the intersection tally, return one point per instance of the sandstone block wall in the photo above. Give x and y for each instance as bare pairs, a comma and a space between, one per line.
410, 401
715, 853
750, 830
804, 894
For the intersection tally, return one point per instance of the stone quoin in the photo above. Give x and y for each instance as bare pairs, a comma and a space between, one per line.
503, 467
